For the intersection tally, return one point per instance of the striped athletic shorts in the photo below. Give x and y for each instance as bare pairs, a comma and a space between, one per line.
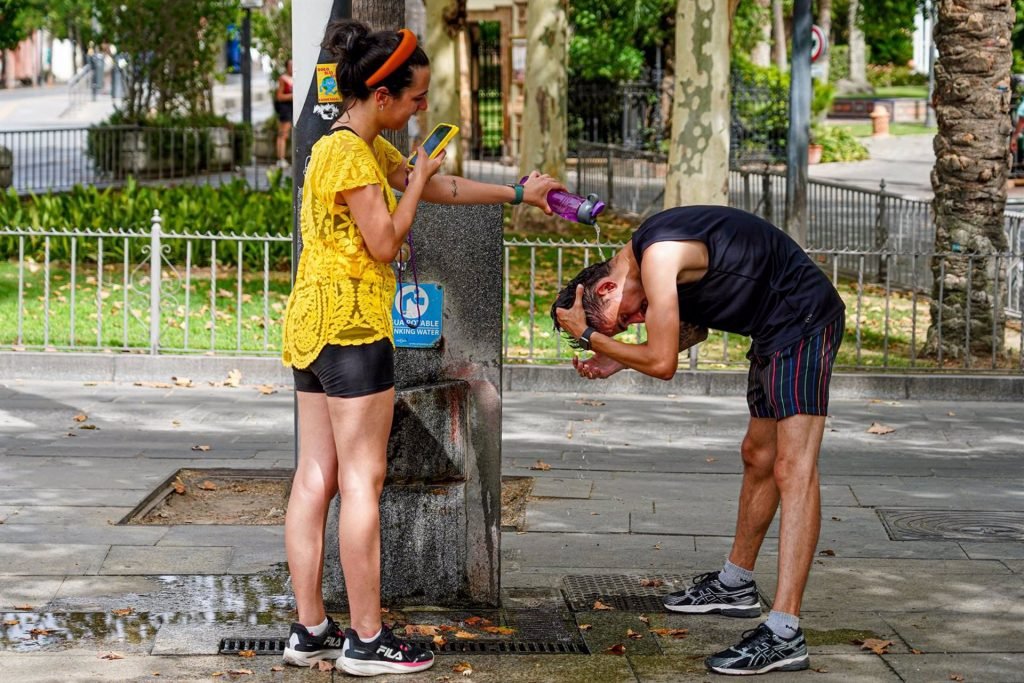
794, 380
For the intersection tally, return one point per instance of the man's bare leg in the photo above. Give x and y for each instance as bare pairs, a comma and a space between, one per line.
759, 494
796, 476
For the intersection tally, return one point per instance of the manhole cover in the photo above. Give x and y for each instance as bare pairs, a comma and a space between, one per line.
953, 525
627, 592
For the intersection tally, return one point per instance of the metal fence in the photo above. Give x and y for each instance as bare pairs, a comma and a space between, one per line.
60, 158
151, 291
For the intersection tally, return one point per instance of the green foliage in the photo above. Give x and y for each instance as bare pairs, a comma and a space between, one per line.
838, 63
609, 36
1017, 37
746, 26
13, 22
889, 29
272, 35
232, 209
838, 143
889, 75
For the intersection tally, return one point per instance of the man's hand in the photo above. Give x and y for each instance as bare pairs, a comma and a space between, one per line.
573, 320
597, 367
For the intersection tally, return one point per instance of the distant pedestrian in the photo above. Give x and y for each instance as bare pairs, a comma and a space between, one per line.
338, 336
698, 267
284, 109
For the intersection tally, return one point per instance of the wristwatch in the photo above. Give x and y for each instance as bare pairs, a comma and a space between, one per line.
584, 339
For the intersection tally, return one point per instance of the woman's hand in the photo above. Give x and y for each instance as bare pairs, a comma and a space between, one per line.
425, 167
536, 188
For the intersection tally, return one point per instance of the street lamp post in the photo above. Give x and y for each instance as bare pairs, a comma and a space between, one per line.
248, 6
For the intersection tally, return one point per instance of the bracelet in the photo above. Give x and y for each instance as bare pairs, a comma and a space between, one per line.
519, 193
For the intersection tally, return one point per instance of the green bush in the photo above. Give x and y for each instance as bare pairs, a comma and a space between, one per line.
838, 144
889, 75
231, 209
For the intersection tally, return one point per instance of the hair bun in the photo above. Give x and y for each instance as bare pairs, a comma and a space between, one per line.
342, 37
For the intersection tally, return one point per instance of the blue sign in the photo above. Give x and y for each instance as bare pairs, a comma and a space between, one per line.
421, 309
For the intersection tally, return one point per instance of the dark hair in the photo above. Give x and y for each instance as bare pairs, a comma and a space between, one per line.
592, 308
360, 52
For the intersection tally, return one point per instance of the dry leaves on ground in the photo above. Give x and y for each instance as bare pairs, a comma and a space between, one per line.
466, 635
421, 630
876, 645
201, 447
600, 605
477, 621
23, 607
463, 668
617, 649
585, 627
878, 428
11, 622
39, 632
179, 486
81, 417
208, 485
234, 378
440, 641
651, 583
323, 666
590, 402
915, 651
633, 635
182, 381
828, 552
541, 465
111, 655
266, 389
499, 630
245, 672
123, 612
956, 677
247, 653
676, 633
277, 667
644, 618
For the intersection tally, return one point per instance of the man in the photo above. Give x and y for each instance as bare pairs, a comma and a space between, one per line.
698, 267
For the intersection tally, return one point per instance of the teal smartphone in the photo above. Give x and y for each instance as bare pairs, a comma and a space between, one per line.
435, 142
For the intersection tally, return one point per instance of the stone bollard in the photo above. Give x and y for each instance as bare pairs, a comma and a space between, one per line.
880, 121
441, 506
6, 167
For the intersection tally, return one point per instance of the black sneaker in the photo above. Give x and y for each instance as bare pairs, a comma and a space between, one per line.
386, 655
305, 649
759, 652
708, 595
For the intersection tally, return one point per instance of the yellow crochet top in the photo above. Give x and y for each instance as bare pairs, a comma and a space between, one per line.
341, 294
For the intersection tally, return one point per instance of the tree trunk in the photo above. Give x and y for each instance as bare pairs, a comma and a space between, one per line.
779, 36
858, 49
972, 104
384, 15
443, 29
762, 54
698, 158
825, 24
546, 93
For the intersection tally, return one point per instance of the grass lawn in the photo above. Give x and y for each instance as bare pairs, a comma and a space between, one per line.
863, 130
894, 91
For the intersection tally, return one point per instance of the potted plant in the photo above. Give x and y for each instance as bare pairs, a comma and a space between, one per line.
815, 148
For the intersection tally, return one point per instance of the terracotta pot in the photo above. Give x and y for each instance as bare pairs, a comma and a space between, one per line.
814, 154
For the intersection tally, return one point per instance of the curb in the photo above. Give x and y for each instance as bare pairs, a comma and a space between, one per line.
109, 367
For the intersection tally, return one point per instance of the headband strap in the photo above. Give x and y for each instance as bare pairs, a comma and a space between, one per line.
396, 59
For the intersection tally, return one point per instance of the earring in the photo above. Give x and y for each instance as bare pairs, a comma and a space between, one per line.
381, 107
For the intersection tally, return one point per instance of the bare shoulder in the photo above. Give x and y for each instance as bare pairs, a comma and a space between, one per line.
673, 259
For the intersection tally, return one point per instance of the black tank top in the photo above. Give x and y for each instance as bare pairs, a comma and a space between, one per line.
759, 282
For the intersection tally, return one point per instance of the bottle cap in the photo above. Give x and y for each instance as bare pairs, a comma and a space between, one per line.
589, 209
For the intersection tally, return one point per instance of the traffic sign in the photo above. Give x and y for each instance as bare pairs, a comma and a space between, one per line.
819, 43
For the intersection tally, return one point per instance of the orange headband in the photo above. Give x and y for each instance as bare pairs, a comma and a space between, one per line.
397, 58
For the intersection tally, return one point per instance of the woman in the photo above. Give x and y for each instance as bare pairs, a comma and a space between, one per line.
339, 341
283, 108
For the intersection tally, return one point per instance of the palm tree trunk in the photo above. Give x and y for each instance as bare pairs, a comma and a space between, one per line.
972, 104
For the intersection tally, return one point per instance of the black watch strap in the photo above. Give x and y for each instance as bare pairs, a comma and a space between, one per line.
585, 337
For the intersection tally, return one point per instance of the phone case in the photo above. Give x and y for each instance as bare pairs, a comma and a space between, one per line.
453, 131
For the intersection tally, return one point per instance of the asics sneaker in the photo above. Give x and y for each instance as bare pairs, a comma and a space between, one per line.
708, 595
759, 652
305, 649
388, 654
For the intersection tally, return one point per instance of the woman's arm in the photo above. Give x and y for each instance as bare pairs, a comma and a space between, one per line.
449, 189
281, 95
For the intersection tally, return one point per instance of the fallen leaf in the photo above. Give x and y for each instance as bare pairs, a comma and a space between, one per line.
321, 665
463, 668
208, 485
182, 381
828, 552
111, 655
11, 622
676, 633
247, 653
541, 465
651, 583
234, 378
590, 402
956, 677
420, 630
600, 605
951, 414
617, 649
657, 546
440, 641
81, 417
203, 447
123, 612
915, 651
710, 459
630, 633
645, 619
266, 389
877, 428
585, 627
179, 486
499, 630
477, 621
215, 674
876, 645
837, 519
175, 423
277, 667
244, 672
39, 632
156, 385
88, 426
820, 669
466, 635
21, 607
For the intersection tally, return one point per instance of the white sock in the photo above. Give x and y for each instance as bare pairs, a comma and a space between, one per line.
373, 638
318, 630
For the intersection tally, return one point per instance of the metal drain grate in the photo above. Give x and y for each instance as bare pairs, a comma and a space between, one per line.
953, 525
621, 591
275, 646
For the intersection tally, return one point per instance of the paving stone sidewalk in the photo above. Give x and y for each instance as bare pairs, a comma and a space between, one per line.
629, 487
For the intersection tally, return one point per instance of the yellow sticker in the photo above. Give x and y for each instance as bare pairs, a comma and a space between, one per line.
327, 84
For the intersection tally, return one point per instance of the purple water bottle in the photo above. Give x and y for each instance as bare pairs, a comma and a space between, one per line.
573, 207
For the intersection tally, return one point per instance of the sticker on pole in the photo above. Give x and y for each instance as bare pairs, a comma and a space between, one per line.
819, 43
327, 84
416, 316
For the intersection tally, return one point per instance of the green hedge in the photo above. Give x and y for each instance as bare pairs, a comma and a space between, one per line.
233, 209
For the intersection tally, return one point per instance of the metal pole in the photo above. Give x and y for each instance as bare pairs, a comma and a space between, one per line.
247, 67
929, 109
155, 256
799, 123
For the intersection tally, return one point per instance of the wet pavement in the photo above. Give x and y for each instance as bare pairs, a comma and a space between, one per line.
627, 488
